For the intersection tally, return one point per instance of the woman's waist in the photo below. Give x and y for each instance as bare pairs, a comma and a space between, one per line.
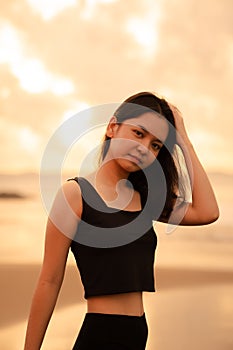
122, 303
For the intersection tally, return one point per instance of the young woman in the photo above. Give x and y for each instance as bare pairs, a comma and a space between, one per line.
111, 234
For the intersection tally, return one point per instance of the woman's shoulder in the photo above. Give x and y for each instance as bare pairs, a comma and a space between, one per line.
71, 192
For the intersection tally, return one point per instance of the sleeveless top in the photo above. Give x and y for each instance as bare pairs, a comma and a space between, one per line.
114, 249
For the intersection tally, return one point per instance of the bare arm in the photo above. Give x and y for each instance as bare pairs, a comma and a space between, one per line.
61, 225
204, 208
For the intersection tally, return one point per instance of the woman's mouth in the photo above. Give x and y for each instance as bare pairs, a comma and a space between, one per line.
135, 159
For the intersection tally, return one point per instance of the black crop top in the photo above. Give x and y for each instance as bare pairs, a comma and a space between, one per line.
114, 249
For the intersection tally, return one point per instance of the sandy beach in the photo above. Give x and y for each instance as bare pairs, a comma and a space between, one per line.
192, 308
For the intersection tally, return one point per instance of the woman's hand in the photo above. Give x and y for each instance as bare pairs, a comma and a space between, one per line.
181, 134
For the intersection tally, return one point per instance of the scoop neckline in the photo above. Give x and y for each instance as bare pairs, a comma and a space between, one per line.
112, 208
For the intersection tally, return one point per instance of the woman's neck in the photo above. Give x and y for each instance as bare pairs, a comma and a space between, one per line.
110, 174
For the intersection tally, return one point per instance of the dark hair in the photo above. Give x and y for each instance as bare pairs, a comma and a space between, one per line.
135, 106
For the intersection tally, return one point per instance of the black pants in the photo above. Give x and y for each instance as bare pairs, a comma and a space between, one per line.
112, 332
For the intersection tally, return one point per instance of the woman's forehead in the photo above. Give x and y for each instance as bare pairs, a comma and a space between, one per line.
151, 122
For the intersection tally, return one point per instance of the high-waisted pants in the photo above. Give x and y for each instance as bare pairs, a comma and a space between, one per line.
112, 332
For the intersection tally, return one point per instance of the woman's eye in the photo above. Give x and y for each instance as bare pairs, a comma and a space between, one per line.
156, 146
138, 133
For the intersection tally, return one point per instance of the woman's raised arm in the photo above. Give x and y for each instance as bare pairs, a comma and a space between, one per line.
204, 208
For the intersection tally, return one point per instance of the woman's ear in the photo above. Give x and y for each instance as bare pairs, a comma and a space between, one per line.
112, 125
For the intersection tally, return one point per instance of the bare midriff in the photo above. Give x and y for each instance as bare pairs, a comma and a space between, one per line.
124, 304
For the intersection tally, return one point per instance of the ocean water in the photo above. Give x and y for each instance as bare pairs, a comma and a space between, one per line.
23, 221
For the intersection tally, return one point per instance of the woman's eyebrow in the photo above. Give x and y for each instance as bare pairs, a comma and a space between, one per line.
146, 131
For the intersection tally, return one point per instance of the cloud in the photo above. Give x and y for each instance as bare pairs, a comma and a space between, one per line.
191, 62
194, 46
30, 72
90, 52
21, 147
195, 67
39, 111
50, 8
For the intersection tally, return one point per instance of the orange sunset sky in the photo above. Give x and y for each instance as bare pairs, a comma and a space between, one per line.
58, 57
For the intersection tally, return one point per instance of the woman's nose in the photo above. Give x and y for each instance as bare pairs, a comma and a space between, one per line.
143, 149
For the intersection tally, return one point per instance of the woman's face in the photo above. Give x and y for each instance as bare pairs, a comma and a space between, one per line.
136, 142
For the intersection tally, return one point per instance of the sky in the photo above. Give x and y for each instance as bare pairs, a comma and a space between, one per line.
59, 57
